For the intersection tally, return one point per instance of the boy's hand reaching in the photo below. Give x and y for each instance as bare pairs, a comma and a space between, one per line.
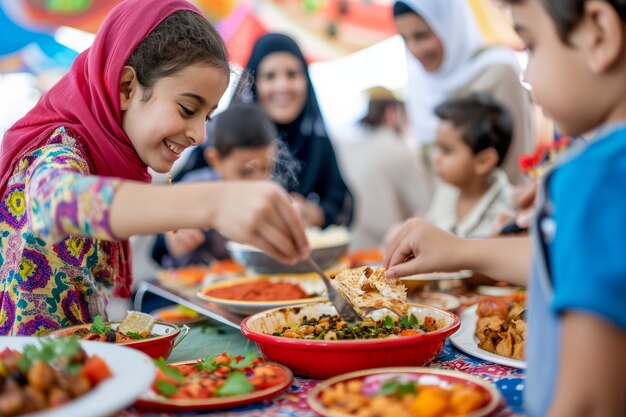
419, 247
260, 213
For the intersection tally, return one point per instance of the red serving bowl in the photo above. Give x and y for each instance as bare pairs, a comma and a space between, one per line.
323, 359
160, 346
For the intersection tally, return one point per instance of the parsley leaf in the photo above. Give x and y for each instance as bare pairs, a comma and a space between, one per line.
166, 388
397, 388
98, 326
245, 362
209, 364
173, 373
388, 322
235, 384
48, 350
408, 321
134, 335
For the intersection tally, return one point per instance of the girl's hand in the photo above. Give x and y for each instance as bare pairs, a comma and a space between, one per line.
183, 241
419, 247
260, 213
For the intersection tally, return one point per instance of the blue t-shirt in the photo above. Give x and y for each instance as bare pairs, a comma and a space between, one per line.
579, 258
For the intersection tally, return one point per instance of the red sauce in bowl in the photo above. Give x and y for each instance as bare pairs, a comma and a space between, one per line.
259, 291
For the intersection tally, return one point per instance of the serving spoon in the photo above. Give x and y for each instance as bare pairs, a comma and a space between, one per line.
343, 307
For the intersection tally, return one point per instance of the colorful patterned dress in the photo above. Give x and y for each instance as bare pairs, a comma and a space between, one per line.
51, 273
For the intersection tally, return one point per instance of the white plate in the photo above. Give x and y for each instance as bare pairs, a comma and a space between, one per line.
133, 374
465, 340
440, 300
438, 276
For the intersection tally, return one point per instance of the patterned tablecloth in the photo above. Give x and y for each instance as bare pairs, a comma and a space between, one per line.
212, 339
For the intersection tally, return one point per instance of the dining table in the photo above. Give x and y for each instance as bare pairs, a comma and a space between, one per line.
211, 337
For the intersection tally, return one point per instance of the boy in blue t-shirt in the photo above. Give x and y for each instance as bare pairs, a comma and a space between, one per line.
576, 256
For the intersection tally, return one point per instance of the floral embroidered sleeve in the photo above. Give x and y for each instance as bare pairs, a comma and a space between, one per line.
63, 199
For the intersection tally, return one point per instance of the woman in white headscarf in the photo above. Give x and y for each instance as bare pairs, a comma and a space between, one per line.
447, 57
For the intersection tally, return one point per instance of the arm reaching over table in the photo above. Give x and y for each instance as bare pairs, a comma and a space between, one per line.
420, 247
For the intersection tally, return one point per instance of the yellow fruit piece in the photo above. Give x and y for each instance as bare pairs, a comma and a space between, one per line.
430, 402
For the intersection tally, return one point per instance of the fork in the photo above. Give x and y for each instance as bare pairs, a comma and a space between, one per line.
343, 307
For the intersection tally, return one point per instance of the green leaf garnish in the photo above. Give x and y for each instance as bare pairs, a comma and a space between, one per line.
235, 384
166, 388
245, 362
98, 326
48, 350
408, 321
388, 322
173, 373
134, 335
397, 388
209, 364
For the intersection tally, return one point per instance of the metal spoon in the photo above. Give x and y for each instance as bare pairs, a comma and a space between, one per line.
344, 308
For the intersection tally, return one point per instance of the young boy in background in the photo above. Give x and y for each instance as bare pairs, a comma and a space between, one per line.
577, 325
242, 146
472, 140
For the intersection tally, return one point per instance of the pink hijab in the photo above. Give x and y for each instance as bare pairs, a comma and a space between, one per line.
87, 100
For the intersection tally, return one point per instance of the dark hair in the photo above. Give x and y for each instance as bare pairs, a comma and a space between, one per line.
567, 13
182, 39
242, 125
485, 123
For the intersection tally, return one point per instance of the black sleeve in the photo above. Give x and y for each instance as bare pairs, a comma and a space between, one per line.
335, 198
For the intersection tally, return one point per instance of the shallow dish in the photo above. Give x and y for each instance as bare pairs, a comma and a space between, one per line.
160, 346
440, 300
467, 342
258, 262
133, 373
439, 276
428, 376
151, 401
311, 285
322, 359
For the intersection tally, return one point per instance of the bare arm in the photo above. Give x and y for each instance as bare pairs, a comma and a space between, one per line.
256, 212
427, 248
592, 369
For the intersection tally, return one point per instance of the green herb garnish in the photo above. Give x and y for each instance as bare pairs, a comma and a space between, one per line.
209, 364
173, 373
48, 350
98, 326
166, 388
397, 388
235, 384
134, 335
245, 362
407, 321
388, 322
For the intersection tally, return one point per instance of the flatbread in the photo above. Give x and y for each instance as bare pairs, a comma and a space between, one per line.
368, 290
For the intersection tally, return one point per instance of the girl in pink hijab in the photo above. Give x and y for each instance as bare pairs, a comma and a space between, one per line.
75, 169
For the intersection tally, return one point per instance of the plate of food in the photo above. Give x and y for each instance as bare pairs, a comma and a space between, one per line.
214, 382
493, 330
254, 294
405, 391
138, 331
440, 300
177, 314
439, 276
86, 379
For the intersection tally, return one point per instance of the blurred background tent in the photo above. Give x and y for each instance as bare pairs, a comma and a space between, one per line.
341, 38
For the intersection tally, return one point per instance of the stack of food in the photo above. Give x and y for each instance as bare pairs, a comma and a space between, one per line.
501, 325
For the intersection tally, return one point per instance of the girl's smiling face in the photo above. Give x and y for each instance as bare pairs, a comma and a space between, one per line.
173, 117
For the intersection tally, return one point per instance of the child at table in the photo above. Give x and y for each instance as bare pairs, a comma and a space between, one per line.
74, 169
577, 325
472, 140
243, 146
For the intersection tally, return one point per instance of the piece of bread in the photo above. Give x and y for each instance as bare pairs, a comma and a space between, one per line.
136, 322
368, 290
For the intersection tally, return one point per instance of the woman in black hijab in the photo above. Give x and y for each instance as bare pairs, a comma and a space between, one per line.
283, 88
